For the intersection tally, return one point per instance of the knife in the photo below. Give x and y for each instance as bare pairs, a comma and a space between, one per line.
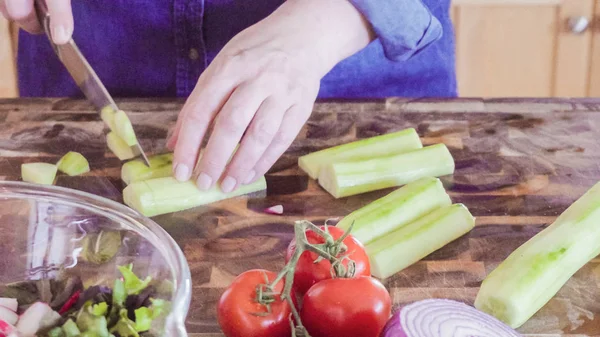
81, 71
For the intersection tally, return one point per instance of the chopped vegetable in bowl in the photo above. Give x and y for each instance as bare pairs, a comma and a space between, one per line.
127, 309
75, 264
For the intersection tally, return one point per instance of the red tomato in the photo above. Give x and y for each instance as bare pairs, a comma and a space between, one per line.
237, 309
357, 307
308, 273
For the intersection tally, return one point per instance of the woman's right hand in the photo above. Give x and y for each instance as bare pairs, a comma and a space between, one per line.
22, 12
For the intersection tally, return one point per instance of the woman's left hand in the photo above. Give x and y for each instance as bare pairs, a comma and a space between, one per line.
260, 90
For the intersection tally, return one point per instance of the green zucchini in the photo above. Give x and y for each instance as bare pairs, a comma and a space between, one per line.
396, 209
124, 128
384, 145
118, 146
410, 243
350, 178
39, 173
525, 281
108, 117
167, 195
136, 170
73, 164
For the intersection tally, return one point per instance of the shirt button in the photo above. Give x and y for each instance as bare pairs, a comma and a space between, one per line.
193, 55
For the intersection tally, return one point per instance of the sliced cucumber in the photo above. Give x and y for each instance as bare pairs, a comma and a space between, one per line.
167, 195
384, 145
124, 128
108, 116
136, 170
160, 166
530, 276
73, 164
350, 178
396, 209
71, 329
118, 146
39, 173
56, 332
409, 244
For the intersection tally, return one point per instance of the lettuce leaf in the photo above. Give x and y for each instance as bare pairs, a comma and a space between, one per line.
133, 284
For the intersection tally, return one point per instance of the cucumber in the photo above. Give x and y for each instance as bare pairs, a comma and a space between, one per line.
73, 164
56, 332
118, 146
107, 114
409, 244
39, 173
350, 178
136, 170
167, 195
396, 209
124, 129
525, 281
161, 166
388, 144
71, 329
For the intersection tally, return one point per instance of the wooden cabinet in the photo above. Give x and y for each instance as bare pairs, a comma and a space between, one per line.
537, 48
8, 73
594, 82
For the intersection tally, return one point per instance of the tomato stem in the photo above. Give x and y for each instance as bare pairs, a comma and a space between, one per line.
329, 250
288, 272
322, 233
340, 242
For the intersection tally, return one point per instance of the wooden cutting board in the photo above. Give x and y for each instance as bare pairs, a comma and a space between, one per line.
519, 164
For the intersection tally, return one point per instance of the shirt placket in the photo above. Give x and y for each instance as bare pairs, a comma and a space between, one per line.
189, 42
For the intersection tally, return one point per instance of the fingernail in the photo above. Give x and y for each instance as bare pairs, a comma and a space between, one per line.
228, 184
16, 9
60, 35
249, 177
204, 181
182, 172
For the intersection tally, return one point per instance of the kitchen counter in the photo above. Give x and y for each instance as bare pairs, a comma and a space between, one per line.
519, 164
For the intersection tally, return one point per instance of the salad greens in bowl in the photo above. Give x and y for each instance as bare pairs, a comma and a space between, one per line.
75, 264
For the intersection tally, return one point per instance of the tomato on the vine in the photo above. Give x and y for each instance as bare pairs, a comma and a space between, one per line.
357, 307
308, 272
240, 315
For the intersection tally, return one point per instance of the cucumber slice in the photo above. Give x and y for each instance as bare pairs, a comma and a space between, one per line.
530, 276
73, 164
350, 178
409, 244
107, 114
118, 146
124, 128
136, 170
160, 166
384, 145
56, 332
167, 195
396, 209
39, 173
71, 329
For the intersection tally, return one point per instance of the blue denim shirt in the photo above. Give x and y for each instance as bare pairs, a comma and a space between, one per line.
160, 47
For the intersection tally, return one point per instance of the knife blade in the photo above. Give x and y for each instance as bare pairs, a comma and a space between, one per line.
82, 73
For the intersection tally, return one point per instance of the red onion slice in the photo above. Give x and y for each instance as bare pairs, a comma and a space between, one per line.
444, 318
277, 209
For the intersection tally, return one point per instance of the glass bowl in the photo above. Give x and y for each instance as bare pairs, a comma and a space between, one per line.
50, 233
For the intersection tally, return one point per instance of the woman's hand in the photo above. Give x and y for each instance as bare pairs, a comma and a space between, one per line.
23, 13
260, 90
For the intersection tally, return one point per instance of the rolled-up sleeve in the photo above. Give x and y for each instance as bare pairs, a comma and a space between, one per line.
404, 27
